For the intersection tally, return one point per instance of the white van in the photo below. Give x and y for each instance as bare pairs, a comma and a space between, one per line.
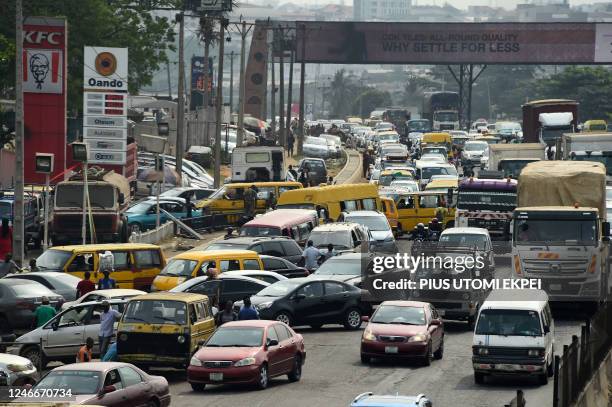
514, 336
258, 164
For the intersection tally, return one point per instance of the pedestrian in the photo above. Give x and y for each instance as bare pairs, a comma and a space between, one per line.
247, 311
365, 163
84, 354
441, 211
291, 173
106, 283
85, 285
6, 238
290, 141
107, 325
44, 313
227, 315
330, 181
229, 233
311, 256
33, 267
111, 353
250, 200
330, 252
8, 266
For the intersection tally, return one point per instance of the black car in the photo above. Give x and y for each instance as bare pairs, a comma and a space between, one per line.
227, 287
317, 167
283, 247
283, 266
302, 301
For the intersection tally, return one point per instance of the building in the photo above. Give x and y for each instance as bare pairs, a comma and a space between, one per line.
366, 10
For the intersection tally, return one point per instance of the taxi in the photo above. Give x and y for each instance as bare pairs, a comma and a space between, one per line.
420, 207
195, 263
387, 176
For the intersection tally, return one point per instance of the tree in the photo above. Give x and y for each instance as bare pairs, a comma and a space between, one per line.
105, 23
590, 86
342, 91
369, 100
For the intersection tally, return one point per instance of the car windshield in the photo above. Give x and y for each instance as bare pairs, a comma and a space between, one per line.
387, 179
279, 289
475, 146
409, 185
429, 171
418, 125
71, 196
340, 266
77, 381
167, 312
227, 246
260, 231
374, 223
140, 207
316, 141
53, 259
179, 268
446, 116
339, 238
393, 314
6, 210
434, 150
508, 322
560, 232
472, 240
239, 337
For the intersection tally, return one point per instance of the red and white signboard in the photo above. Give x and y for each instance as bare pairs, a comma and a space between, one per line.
44, 101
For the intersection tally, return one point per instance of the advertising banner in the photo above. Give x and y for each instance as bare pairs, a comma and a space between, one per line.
44, 100
454, 43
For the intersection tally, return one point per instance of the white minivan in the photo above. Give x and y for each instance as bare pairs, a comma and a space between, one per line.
514, 335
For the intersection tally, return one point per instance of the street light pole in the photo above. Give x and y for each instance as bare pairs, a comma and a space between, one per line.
46, 217
300, 140
181, 97
219, 100
84, 212
241, 93
18, 224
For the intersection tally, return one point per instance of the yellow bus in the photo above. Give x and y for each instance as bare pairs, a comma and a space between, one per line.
420, 207
136, 264
332, 200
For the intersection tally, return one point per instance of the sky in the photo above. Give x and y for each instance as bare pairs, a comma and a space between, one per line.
456, 3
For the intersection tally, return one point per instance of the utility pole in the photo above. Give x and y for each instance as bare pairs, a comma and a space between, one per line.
219, 100
290, 92
281, 124
300, 140
18, 225
181, 97
232, 81
169, 80
273, 92
241, 93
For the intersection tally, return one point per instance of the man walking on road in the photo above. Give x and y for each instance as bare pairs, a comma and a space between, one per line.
311, 256
247, 311
290, 142
250, 200
365, 162
107, 325
44, 312
85, 285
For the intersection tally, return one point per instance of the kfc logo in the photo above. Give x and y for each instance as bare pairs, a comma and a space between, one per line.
42, 71
38, 37
39, 66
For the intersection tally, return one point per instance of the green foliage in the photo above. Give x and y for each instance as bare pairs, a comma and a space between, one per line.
590, 86
104, 23
369, 100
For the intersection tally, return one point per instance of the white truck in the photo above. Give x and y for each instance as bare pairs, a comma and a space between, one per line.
554, 125
589, 147
559, 228
512, 158
258, 164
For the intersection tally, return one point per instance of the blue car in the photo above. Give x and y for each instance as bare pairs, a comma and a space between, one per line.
371, 400
142, 215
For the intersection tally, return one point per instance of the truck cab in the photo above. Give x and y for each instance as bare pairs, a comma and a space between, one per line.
553, 125
257, 164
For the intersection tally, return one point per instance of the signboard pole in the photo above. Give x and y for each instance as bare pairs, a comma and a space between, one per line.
300, 134
46, 224
18, 225
84, 212
241, 94
181, 97
219, 110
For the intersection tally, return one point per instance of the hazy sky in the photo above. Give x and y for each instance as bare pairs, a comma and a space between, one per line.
456, 3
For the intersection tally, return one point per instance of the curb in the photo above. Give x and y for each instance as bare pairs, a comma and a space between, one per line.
353, 165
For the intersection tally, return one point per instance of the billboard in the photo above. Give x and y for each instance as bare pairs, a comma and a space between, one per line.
105, 69
454, 43
199, 74
44, 99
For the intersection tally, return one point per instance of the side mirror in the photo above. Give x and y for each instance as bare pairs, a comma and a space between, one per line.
201, 344
365, 318
546, 329
606, 229
436, 322
300, 297
357, 242
271, 342
107, 389
121, 198
55, 325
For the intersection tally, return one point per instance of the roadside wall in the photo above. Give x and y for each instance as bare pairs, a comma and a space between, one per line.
154, 236
598, 392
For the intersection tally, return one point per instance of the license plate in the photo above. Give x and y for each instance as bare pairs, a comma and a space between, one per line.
555, 287
506, 367
216, 376
390, 349
441, 312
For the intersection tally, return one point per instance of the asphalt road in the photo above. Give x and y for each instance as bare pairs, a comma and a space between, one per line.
333, 374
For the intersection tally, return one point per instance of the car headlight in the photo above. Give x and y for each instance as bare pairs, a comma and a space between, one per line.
418, 338
482, 351
368, 335
123, 336
389, 238
245, 362
264, 305
535, 352
180, 339
17, 368
195, 361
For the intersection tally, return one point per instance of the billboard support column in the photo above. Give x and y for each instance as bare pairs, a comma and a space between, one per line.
219, 101
281, 74
18, 225
300, 140
290, 94
181, 97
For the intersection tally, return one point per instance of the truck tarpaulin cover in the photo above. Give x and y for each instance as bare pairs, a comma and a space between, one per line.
563, 183
454, 43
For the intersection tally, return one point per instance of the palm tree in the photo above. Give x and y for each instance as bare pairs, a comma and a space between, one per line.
341, 92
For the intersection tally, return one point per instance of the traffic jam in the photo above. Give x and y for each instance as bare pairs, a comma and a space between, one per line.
105, 322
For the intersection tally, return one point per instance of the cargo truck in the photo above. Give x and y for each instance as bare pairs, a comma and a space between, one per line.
589, 147
512, 158
544, 121
560, 232
442, 110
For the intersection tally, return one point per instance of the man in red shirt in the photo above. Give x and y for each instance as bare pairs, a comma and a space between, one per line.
85, 285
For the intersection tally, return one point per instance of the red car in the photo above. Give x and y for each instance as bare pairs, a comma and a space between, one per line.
403, 329
248, 352
113, 384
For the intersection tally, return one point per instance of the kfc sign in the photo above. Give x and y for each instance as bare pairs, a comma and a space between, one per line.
42, 37
42, 71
